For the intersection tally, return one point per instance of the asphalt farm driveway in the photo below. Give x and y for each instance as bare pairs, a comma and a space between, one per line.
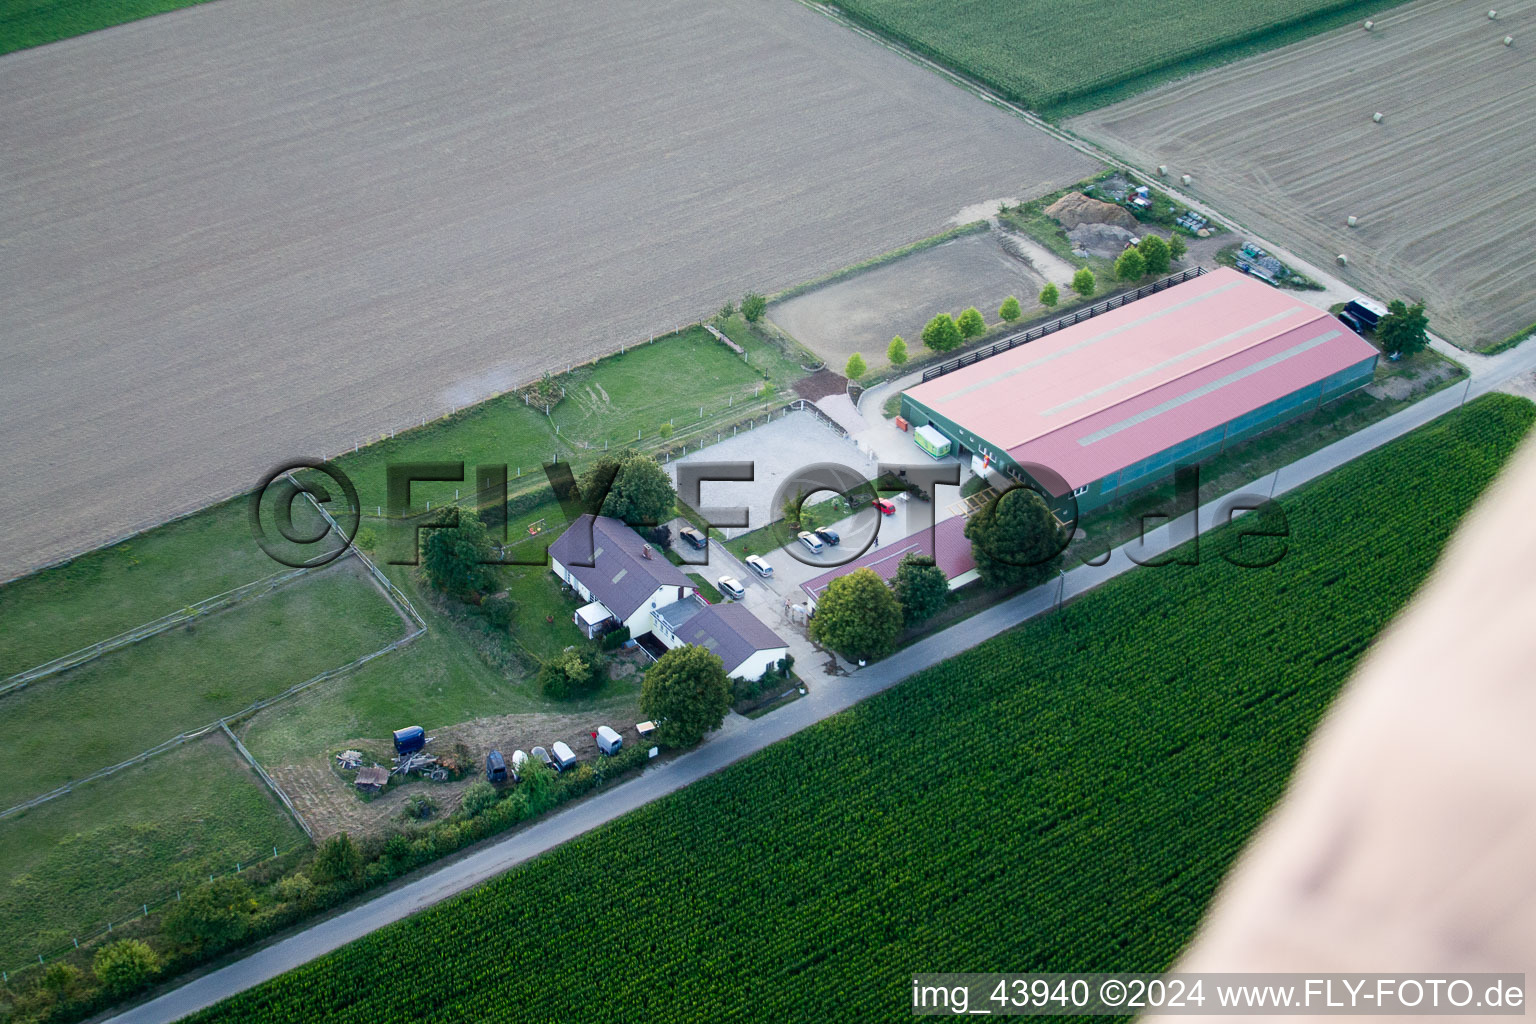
251, 230
741, 738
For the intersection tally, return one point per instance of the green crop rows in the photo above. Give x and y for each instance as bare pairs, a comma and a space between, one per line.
1064, 797
1065, 57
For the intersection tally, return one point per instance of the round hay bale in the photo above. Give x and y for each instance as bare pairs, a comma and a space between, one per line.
1350, 220
1509, 40
1492, 15
1162, 169
1343, 259
1369, 25
1376, 117
1186, 179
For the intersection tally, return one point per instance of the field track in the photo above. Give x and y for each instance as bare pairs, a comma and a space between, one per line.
251, 230
1442, 187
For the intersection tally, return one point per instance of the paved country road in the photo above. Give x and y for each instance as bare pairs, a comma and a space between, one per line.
742, 737
255, 229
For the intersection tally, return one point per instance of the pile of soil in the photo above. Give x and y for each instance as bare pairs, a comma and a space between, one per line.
1107, 240
1074, 208
821, 384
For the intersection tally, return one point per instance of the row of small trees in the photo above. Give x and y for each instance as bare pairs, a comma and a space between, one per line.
1153, 255
753, 306
1015, 541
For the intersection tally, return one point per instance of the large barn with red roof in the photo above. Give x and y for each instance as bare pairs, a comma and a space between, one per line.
1117, 402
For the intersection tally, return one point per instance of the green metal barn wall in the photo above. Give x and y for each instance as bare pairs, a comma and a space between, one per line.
1129, 479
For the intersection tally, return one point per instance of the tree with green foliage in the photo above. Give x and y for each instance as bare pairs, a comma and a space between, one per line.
855, 368
1009, 311
971, 323
1083, 282
629, 486
686, 693
1130, 266
61, 980
1015, 539
753, 306
920, 588
536, 783
567, 674
857, 616
456, 556
941, 334
896, 351
1156, 256
793, 506
294, 888
1049, 296
498, 610
211, 916
1176, 247
665, 430
726, 312
798, 514
337, 860
1404, 330
479, 797
125, 966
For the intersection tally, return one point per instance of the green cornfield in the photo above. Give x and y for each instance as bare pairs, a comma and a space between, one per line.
1064, 797
1065, 57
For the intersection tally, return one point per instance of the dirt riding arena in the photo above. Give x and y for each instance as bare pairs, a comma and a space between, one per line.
862, 313
1442, 186
250, 230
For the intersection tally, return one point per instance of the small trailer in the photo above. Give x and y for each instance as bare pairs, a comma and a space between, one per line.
560, 756
608, 741
932, 441
409, 740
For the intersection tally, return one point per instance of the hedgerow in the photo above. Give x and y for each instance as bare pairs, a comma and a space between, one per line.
1064, 797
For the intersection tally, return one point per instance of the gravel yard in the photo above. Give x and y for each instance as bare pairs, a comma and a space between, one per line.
250, 230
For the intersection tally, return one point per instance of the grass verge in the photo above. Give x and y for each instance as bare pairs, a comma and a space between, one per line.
130, 700
96, 855
108, 591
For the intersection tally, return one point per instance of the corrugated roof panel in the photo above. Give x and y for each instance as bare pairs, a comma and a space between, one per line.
947, 538
1108, 392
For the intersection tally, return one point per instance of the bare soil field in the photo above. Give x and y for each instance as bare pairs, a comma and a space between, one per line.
244, 231
1442, 187
861, 313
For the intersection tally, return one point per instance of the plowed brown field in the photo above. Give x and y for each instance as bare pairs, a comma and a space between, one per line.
254, 229
1442, 187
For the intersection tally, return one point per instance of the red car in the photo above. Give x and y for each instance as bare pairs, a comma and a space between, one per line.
885, 507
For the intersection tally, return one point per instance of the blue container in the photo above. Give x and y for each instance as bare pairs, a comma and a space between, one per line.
410, 740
